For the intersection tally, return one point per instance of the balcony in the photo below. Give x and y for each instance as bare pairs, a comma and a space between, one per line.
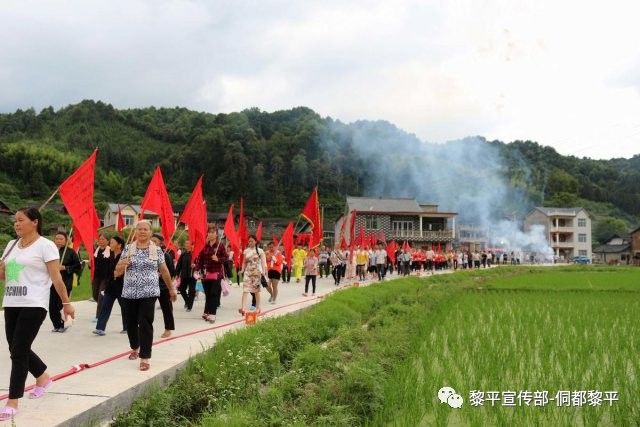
434, 236
564, 229
563, 244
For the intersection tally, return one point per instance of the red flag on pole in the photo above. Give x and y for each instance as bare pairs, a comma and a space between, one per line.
287, 243
392, 247
274, 239
243, 231
259, 232
311, 213
157, 199
194, 217
120, 221
232, 236
76, 193
405, 246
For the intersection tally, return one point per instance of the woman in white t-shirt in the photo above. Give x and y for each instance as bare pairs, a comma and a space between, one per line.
28, 266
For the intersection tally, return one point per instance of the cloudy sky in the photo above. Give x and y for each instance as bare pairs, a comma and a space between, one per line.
563, 73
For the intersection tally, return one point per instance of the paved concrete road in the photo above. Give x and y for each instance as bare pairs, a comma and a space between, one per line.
98, 392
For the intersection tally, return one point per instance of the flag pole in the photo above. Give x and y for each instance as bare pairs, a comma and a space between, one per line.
49, 199
66, 246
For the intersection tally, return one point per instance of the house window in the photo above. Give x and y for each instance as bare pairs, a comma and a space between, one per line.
582, 252
582, 222
402, 228
128, 220
371, 223
582, 238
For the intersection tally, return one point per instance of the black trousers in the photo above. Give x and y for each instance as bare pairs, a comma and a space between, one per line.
212, 292
55, 306
360, 271
167, 309
188, 290
105, 313
140, 314
21, 325
286, 274
380, 269
337, 273
310, 278
97, 287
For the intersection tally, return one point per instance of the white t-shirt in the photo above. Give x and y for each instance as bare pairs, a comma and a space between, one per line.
27, 281
381, 256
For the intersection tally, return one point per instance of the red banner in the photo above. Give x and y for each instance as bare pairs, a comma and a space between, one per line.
156, 199
311, 213
194, 217
120, 221
76, 193
287, 243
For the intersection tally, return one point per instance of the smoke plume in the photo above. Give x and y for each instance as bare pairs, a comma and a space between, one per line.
467, 176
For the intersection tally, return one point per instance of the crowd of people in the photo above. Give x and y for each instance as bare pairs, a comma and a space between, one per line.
39, 277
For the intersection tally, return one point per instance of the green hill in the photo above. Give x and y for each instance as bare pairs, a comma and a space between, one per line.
274, 159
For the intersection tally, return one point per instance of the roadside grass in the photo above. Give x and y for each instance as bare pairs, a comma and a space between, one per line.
327, 365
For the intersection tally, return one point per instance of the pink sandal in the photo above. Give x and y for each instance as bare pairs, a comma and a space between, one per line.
7, 413
38, 391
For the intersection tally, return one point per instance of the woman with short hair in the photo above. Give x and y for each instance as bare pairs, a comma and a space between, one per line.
113, 292
29, 265
140, 263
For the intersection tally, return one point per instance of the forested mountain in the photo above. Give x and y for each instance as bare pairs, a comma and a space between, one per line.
274, 159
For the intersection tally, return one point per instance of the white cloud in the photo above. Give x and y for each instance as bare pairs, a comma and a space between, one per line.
562, 73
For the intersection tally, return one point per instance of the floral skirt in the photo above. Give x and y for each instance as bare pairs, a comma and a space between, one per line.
251, 284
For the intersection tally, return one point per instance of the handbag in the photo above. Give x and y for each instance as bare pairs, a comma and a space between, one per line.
226, 289
211, 276
263, 280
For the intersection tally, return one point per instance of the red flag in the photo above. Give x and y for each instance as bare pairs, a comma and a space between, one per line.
243, 231
274, 239
311, 213
287, 243
232, 236
156, 199
76, 193
382, 237
194, 217
361, 239
259, 232
343, 244
405, 246
120, 221
392, 247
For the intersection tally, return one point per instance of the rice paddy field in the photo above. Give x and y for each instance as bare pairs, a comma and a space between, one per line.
567, 330
521, 346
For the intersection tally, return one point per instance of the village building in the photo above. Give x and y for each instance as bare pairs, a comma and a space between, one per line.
634, 240
401, 219
616, 250
567, 230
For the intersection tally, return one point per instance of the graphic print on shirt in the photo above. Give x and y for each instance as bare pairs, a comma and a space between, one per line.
12, 270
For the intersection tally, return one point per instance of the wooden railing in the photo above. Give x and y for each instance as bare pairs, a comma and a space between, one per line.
429, 235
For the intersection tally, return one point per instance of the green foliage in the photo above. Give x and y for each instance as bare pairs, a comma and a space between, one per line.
270, 159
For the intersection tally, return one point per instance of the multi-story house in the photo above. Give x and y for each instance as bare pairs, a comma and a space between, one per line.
401, 219
129, 216
634, 238
568, 230
472, 237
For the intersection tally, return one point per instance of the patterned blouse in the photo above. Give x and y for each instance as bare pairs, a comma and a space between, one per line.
141, 277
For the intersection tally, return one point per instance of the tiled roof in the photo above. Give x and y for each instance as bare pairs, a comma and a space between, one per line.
559, 211
379, 204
